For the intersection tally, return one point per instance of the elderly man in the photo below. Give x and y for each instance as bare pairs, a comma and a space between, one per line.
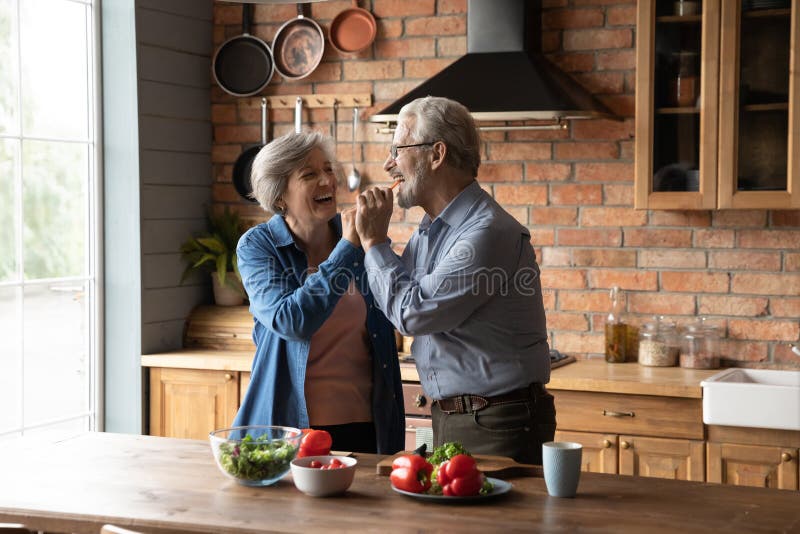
466, 287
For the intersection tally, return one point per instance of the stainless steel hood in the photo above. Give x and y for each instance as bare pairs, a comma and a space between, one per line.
504, 76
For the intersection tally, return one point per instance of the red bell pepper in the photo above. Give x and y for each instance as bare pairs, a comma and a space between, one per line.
459, 476
411, 473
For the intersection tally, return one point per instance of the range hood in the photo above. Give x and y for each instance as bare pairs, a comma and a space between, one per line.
504, 76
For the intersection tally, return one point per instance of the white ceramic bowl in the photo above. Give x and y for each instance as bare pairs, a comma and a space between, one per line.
323, 482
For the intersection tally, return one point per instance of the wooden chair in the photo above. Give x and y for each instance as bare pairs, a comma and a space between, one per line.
112, 529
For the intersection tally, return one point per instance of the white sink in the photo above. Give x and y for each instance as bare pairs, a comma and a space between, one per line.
753, 398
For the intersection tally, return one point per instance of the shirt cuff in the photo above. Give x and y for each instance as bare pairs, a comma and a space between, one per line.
380, 255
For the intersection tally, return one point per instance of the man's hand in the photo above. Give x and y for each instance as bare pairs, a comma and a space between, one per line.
349, 227
373, 211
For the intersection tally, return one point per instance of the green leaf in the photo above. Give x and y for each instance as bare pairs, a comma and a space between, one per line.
205, 258
213, 243
222, 268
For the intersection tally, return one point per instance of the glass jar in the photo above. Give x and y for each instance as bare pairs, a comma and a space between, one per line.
700, 346
684, 87
658, 344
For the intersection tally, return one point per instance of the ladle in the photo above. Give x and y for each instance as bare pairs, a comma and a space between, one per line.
354, 179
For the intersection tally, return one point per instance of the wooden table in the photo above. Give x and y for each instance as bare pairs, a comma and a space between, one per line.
169, 485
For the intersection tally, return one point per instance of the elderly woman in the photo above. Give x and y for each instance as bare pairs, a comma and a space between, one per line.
326, 357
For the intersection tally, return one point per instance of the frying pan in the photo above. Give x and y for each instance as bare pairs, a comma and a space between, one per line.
244, 163
353, 29
243, 65
298, 46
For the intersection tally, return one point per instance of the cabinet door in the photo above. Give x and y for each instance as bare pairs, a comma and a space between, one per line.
677, 459
759, 120
244, 383
190, 403
677, 106
753, 465
599, 454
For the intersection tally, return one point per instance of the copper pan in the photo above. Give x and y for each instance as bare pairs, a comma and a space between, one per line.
298, 46
353, 29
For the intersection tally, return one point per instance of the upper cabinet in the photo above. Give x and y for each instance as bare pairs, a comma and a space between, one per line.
717, 124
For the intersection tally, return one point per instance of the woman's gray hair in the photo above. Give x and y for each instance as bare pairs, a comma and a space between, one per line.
442, 119
277, 160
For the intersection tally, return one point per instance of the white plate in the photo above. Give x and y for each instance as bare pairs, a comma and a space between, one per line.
500, 487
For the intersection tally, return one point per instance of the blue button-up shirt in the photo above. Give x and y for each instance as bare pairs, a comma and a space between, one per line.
289, 306
467, 288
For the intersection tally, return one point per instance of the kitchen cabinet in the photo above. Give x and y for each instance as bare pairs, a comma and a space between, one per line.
754, 457
642, 435
190, 403
717, 125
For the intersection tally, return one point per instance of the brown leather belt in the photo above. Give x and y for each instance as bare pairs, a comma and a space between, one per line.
473, 403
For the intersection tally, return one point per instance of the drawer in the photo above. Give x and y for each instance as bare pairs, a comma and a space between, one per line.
415, 400
641, 415
412, 423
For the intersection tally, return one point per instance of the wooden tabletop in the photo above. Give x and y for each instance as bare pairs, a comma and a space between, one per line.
169, 485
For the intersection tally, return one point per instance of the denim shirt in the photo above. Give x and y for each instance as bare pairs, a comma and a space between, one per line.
289, 306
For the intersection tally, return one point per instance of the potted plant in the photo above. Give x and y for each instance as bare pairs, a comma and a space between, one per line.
215, 252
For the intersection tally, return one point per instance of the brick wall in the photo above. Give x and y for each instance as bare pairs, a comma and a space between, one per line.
572, 188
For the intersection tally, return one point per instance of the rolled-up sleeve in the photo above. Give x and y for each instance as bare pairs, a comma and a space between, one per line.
292, 310
465, 278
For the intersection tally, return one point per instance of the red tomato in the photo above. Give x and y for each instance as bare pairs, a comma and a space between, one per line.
317, 440
336, 463
315, 464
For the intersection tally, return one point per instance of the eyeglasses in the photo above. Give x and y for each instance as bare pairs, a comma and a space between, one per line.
394, 148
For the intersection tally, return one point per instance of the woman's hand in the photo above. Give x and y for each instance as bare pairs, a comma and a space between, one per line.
349, 227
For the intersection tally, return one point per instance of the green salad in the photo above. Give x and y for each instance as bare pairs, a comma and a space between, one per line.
256, 458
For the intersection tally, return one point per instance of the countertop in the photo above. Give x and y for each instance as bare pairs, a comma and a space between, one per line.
584, 375
163, 485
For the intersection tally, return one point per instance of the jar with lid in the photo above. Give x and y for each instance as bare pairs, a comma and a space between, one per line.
700, 346
658, 344
684, 87
615, 330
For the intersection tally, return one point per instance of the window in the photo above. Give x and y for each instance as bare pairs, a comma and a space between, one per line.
49, 217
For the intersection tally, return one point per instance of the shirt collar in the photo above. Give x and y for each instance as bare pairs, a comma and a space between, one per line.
283, 236
456, 211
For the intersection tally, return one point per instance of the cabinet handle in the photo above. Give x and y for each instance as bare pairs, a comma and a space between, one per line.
786, 457
606, 444
228, 376
624, 444
609, 413
420, 400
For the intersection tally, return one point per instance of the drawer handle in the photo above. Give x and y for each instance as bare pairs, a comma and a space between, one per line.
228, 376
420, 400
609, 413
606, 444
624, 444
786, 457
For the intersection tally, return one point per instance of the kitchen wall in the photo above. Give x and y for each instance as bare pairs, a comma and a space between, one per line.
173, 61
572, 188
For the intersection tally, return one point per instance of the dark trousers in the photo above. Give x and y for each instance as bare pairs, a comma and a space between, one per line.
352, 437
516, 429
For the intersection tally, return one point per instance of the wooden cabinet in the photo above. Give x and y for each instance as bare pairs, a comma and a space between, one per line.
717, 124
754, 457
677, 459
641, 435
190, 403
753, 465
599, 453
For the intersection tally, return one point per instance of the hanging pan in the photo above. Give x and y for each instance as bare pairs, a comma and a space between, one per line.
353, 29
298, 46
244, 163
243, 65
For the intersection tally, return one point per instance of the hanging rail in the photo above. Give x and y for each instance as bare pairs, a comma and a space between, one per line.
362, 100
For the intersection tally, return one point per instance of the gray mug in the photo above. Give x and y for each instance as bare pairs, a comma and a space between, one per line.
561, 461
